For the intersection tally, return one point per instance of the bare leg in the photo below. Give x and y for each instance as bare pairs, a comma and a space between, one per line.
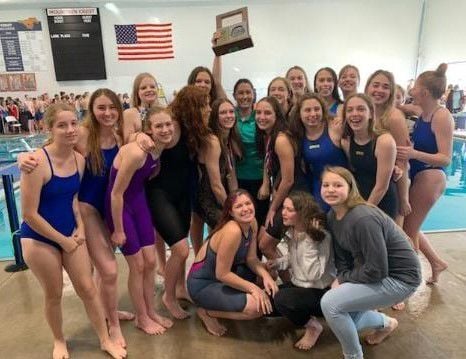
196, 232
212, 324
136, 290
312, 333
437, 264
160, 254
427, 187
173, 270
181, 290
249, 312
45, 263
31, 126
78, 266
103, 258
148, 254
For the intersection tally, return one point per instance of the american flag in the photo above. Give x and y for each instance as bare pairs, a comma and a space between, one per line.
144, 41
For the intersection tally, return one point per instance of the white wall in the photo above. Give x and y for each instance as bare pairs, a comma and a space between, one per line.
370, 34
443, 38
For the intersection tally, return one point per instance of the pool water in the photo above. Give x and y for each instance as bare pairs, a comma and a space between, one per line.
447, 214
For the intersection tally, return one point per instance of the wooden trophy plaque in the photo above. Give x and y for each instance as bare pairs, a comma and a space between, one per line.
234, 32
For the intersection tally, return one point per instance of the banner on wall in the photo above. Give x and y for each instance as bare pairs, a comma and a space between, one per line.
144, 42
22, 46
18, 82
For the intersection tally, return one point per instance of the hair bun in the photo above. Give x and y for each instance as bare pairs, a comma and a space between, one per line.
442, 69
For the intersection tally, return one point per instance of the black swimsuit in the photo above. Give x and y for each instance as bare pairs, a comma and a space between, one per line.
364, 166
168, 194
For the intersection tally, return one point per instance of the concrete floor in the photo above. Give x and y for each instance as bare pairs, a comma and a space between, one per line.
430, 327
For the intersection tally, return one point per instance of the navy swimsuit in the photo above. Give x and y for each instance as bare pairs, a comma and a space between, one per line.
56, 206
94, 187
424, 140
208, 292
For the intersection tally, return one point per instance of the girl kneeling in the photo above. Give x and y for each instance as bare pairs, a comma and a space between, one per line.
310, 259
221, 280
376, 266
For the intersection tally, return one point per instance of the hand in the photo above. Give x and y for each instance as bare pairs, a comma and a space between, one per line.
397, 173
404, 153
270, 287
79, 236
118, 238
216, 35
269, 218
27, 162
337, 123
271, 265
316, 224
335, 284
69, 245
264, 191
145, 142
263, 302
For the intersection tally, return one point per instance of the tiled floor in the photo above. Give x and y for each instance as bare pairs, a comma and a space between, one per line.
430, 327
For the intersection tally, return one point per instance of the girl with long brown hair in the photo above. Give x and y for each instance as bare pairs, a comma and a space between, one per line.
221, 281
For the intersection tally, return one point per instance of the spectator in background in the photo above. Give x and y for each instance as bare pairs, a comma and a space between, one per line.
78, 107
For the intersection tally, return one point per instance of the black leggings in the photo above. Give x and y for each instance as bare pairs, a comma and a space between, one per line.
298, 304
171, 216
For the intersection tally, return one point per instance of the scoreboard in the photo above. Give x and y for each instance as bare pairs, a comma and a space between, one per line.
76, 39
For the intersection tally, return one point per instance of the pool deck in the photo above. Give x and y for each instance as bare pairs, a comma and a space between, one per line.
430, 327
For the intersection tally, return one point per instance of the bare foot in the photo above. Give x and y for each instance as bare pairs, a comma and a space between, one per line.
60, 351
174, 308
123, 315
212, 325
437, 268
312, 333
182, 293
148, 326
399, 306
116, 336
163, 321
115, 350
379, 335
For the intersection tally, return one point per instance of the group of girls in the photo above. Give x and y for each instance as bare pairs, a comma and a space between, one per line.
152, 172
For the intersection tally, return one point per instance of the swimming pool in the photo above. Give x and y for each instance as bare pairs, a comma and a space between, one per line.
447, 214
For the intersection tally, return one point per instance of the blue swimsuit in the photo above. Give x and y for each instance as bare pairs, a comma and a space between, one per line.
56, 206
94, 187
208, 292
424, 140
316, 155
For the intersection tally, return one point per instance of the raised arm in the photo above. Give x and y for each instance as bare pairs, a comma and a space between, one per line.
217, 69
